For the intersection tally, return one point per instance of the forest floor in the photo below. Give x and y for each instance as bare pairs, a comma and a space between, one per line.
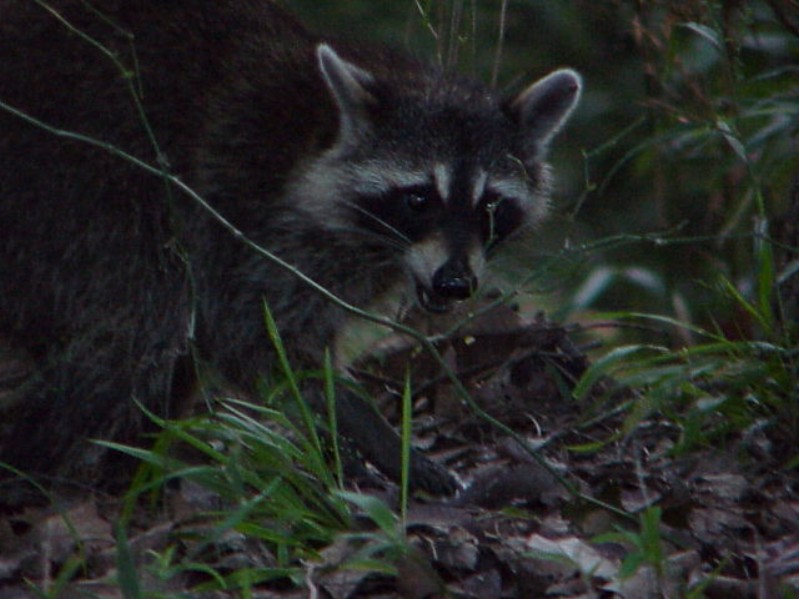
610, 503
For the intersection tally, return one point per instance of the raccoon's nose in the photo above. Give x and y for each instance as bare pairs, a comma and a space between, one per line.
454, 280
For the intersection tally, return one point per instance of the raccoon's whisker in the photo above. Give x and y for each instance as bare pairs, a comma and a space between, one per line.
397, 233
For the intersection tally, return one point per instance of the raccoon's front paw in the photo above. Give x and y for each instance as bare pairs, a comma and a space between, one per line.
429, 476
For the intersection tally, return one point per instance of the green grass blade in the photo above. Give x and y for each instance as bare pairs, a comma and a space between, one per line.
127, 575
405, 431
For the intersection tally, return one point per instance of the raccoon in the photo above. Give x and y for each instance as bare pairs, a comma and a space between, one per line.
358, 165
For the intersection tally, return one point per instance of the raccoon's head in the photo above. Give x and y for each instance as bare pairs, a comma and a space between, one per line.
437, 170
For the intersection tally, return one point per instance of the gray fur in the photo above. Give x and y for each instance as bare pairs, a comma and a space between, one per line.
546, 105
109, 276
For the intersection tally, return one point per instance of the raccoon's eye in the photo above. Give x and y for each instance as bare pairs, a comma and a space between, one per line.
502, 217
416, 200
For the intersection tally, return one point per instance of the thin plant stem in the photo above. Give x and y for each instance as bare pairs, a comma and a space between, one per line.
503, 16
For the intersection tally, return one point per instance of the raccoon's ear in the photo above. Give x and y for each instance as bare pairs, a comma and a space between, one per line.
544, 107
349, 86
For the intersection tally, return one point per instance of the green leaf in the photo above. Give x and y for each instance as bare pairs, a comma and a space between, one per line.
603, 366
731, 137
375, 509
705, 33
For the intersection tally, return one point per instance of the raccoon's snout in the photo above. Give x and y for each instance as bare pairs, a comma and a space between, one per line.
451, 282
454, 280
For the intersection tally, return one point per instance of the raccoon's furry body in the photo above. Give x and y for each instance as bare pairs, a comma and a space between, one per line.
357, 165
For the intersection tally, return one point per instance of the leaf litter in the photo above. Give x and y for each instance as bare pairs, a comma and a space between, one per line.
713, 522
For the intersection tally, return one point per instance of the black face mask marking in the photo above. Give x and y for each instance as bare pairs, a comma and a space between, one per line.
413, 212
501, 217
